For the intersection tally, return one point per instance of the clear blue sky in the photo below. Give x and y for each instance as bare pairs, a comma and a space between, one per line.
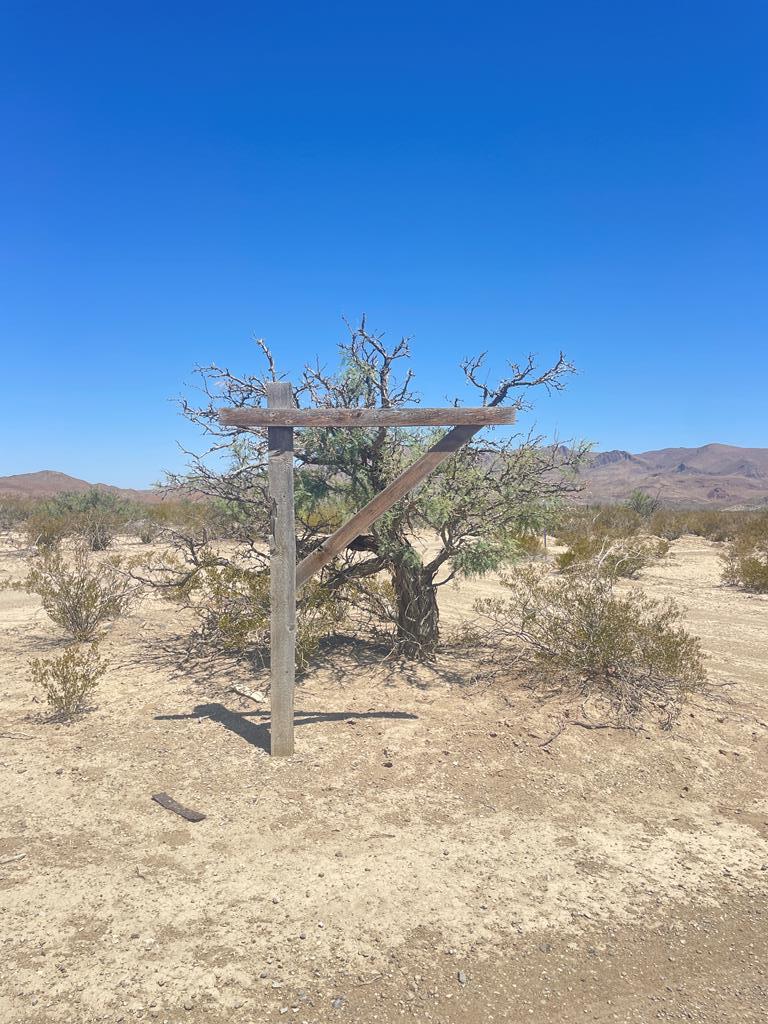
177, 178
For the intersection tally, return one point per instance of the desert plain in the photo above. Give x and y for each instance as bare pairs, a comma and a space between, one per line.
445, 845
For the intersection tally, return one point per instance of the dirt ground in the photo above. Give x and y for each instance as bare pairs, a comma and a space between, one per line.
422, 856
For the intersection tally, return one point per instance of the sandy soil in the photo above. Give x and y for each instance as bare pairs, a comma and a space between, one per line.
422, 856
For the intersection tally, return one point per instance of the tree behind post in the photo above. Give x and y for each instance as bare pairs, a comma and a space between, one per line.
476, 506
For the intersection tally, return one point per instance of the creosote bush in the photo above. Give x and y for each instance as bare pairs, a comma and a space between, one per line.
94, 515
624, 647
232, 606
79, 593
69, 678
746, 558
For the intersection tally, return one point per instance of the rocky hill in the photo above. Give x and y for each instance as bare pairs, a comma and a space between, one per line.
715, 474
48, 482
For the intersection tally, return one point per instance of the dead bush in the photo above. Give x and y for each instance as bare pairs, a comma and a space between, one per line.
624, 647
69, 679
622, 557
79, 593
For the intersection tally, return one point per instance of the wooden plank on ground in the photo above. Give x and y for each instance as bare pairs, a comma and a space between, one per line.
275, 416
173, 805
282, 569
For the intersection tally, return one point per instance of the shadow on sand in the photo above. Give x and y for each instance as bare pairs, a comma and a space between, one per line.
257, 733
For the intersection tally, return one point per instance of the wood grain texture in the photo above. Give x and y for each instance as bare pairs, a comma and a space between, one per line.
282, 582
281, 417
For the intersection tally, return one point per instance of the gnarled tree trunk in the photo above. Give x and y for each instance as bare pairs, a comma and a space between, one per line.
418, 617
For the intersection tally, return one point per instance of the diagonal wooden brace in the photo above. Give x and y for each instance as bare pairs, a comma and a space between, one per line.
383, 501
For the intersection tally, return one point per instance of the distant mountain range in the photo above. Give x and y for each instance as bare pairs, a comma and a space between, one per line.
48, 482
718, 475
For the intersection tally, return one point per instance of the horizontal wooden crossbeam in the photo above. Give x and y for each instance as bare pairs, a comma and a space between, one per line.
250, 419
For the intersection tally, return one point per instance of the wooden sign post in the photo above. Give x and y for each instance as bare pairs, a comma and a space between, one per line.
279, 418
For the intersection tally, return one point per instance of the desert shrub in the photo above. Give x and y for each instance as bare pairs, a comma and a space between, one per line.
626, 648
643, 504
95, 515
14, 513
529, 544
622, 557
146, 530
714, 524
69, 678
669, 523
79, 594
45, 530
605, 522
745, 562
232, 607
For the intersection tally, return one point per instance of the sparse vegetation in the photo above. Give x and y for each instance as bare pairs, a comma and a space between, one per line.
643, 504
625, 556
746, 558
14, 513
231, 605
624, 647
95, 515
78, 593
69, 679
610, 536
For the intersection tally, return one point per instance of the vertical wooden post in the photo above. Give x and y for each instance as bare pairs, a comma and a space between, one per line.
282, 575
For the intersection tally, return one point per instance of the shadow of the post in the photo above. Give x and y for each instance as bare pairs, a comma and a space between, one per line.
257, 733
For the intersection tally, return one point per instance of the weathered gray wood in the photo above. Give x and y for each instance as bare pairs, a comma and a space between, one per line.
173, 805
281, 417
282, 575
383, 501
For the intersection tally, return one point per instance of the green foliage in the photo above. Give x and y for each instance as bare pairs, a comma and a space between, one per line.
713, 524
608, 522
95, 515
14, 512
643, 504
79, 594
485, 555
627, 648
745, 562
232, 607
69, 679
505, 486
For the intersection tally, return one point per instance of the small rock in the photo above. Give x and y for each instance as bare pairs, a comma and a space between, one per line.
462, 978
338, 1002
188, 1004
